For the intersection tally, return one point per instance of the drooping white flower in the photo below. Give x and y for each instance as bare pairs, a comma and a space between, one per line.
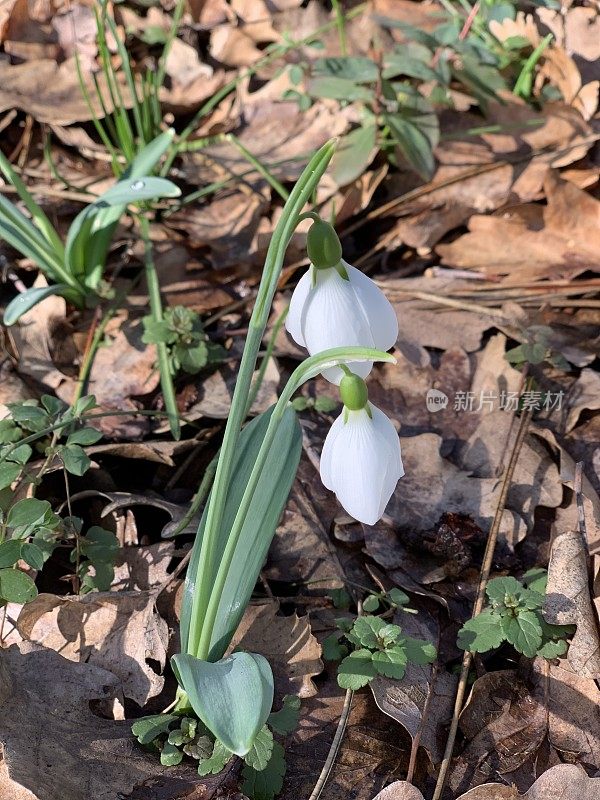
361, 462
327, 311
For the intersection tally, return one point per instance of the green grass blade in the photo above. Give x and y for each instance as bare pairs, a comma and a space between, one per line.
25, 301
39, 217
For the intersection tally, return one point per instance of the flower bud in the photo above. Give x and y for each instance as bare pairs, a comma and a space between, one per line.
323, 245
353, 391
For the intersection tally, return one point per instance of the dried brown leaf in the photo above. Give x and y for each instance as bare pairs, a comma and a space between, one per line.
404, 700
584, 394
117, 631
50, 92
286, 642
568, 601
561, 240
57, 749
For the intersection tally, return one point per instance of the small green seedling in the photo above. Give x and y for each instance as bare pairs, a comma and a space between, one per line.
176, 736
514, 615
181, 330
370, 646
30, 531
75, 268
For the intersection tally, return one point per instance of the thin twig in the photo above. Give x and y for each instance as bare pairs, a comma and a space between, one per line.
480, 599
577, 489
335, 746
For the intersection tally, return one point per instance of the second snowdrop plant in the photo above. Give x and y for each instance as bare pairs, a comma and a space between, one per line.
346, 324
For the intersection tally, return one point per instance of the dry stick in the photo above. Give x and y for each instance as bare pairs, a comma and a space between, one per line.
480, 599
335, 746
579, 497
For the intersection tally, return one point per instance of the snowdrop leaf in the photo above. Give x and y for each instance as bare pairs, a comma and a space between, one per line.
25, 301
259, 526
356, 670
232, 697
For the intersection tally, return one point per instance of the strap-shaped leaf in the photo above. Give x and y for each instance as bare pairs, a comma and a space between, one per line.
21, 234
233, 697
38, 215
88, 241
258, 531
25, 301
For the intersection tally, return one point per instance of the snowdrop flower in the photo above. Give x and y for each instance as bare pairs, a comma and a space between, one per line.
336, 305
361, 460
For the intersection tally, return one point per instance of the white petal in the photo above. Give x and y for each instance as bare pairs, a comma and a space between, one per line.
376, 308
361, 463
384, 427
358, 468
332, 317
293, 321
327, 453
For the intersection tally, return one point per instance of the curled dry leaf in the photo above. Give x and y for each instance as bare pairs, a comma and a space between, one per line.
568, 601
50, 92
45, 699
468, 186
510, 717
124, 368
583, 395
561, 240
216, 390
399, 790
404, 700
286, 642
117, 631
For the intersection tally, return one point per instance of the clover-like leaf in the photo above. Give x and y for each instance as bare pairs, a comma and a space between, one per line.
170, 755
259, 754
371, 603
217, 760
524, 632
391, 662
397, 597
286, 719
268, 782
390, 634
147, 729
418, 651
356, 670
553, 649
498, 588
482, 633
365, 631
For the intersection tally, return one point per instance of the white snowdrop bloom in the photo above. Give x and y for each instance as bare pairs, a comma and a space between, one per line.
327, 311
361, 462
